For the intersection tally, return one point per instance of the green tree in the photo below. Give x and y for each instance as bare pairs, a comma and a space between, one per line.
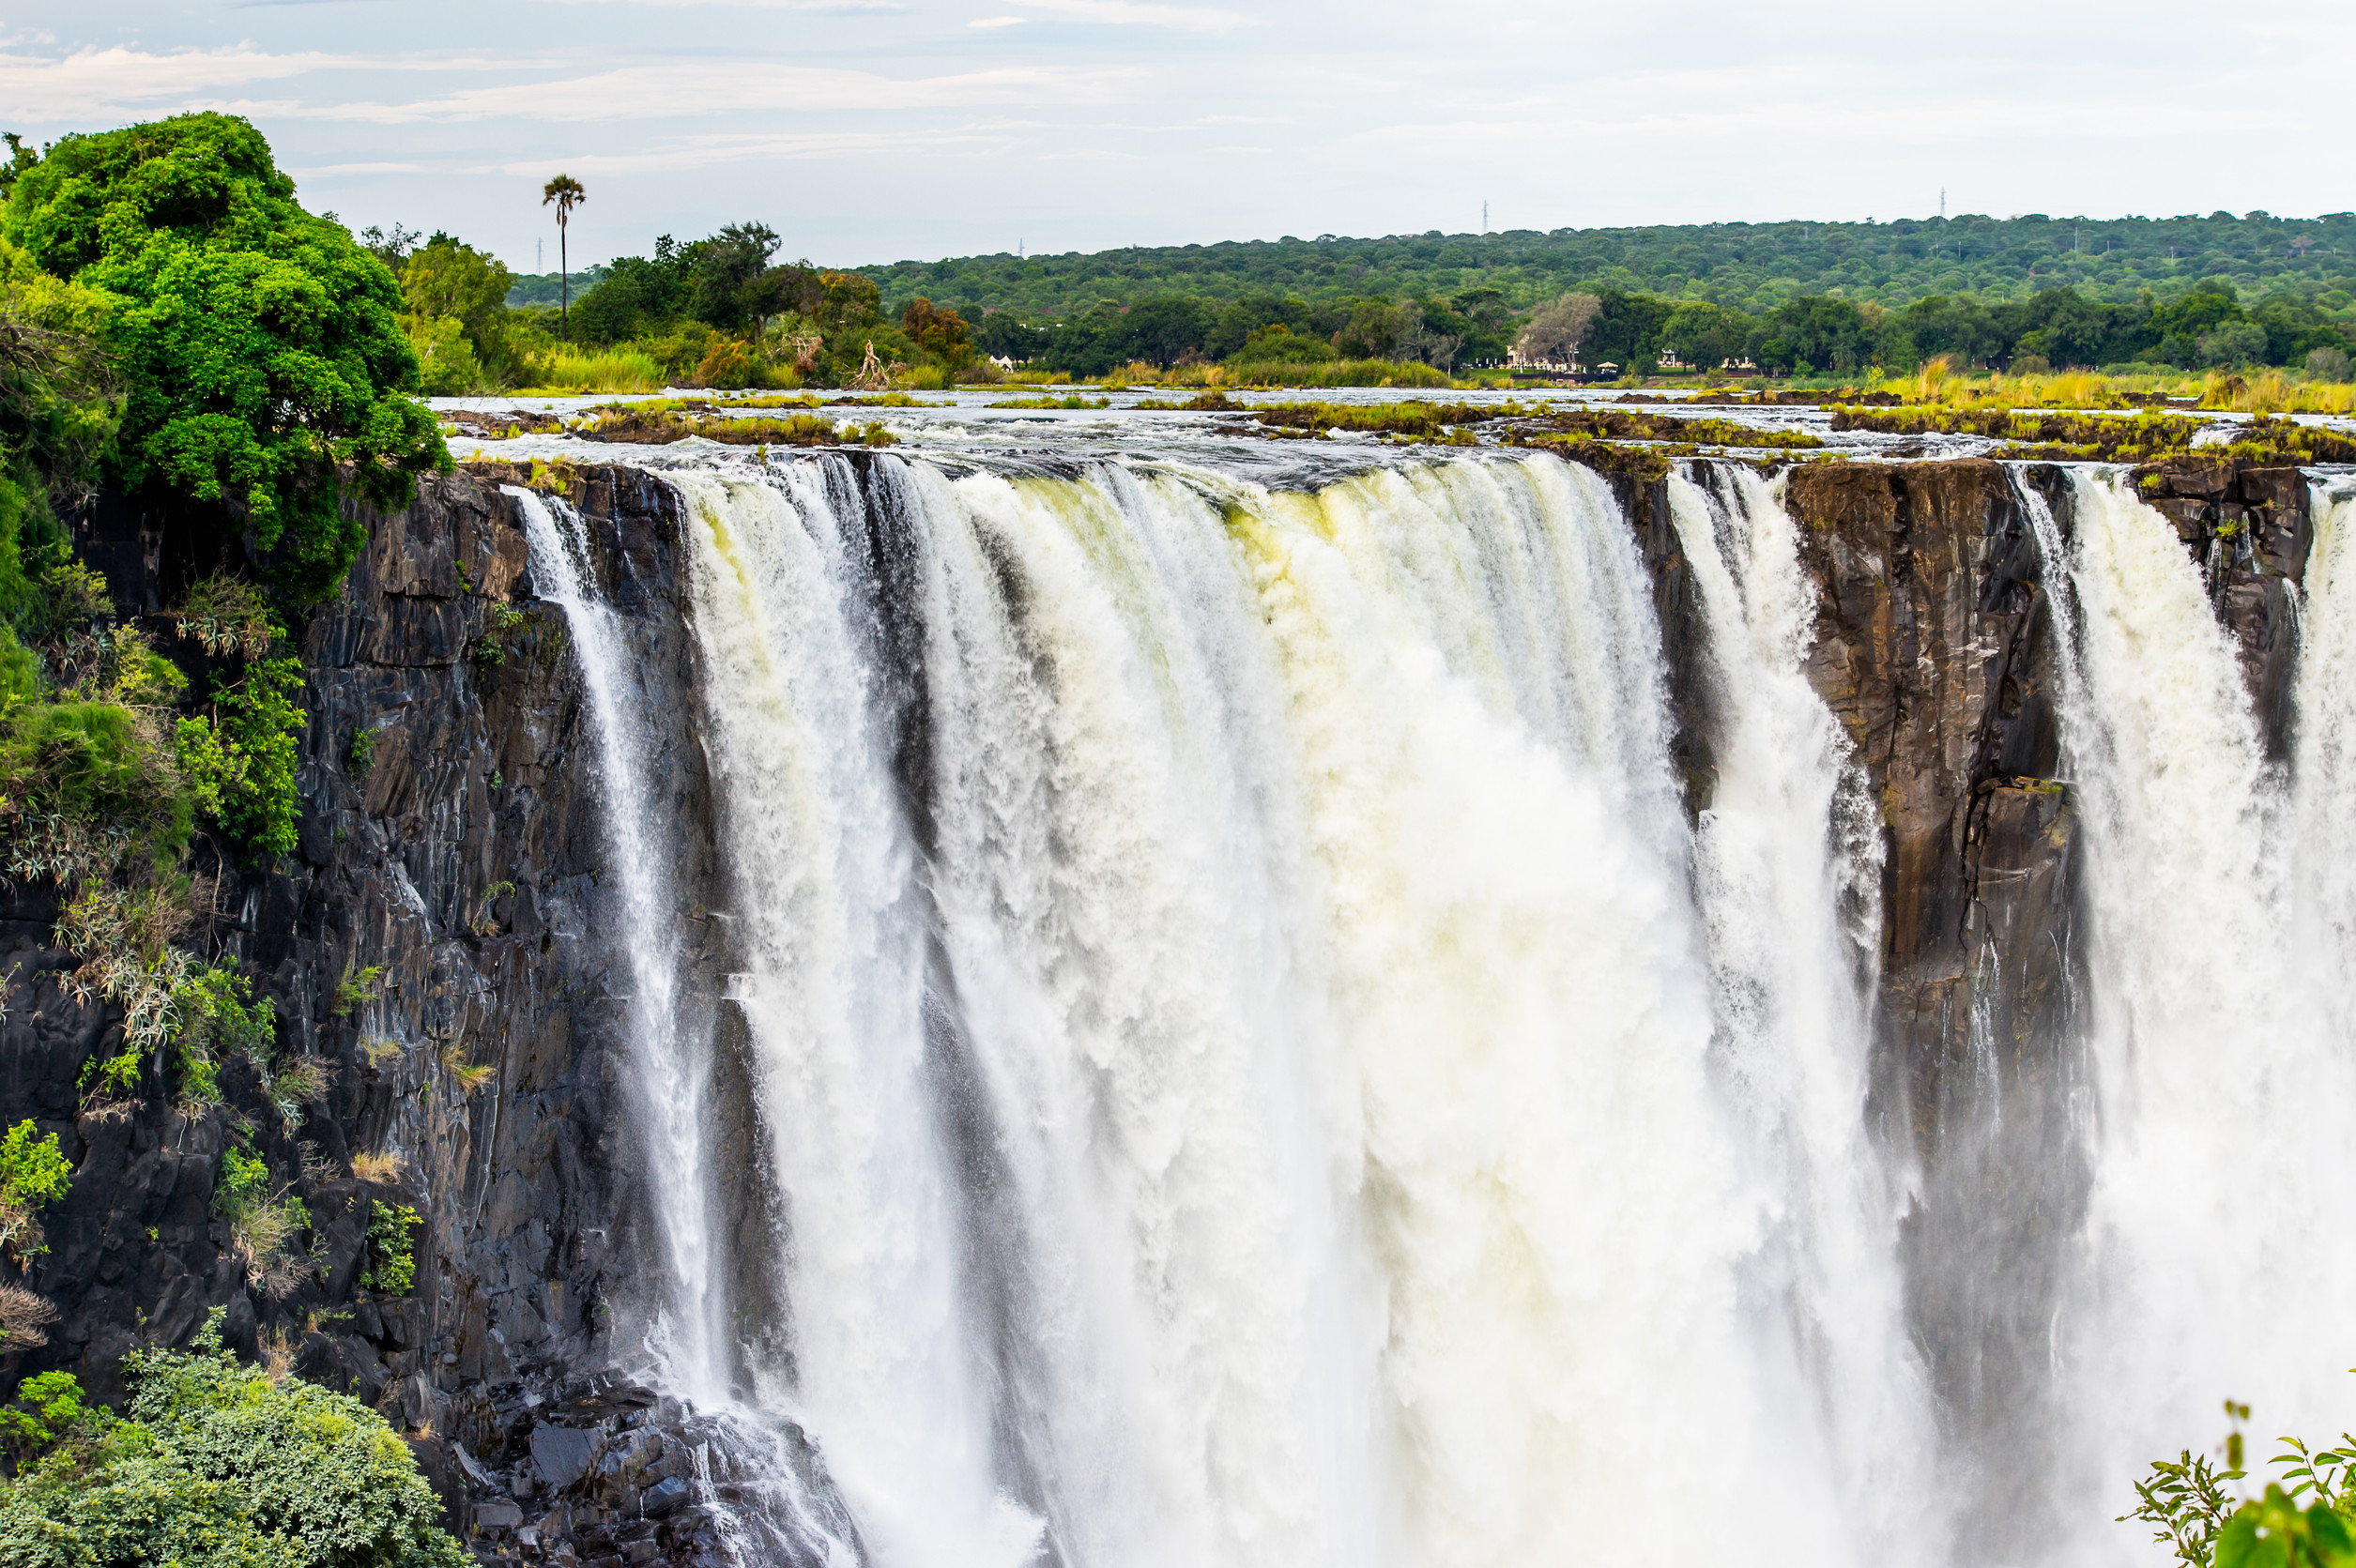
240, 759
56, 418
639, 295
215, 1465
33, 1175
258, 346
729, 265
564, 193
448, 282
939, 330
1706, 335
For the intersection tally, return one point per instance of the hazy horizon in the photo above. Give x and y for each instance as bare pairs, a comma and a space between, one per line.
872, 131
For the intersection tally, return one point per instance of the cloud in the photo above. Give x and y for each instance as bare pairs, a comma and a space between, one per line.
103, 84
704, 152
996, 21
823, 7
327, 170
1190, 19
696, 88
117, 83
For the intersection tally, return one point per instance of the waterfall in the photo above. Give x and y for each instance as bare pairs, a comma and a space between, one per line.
2324, 760
2208, 1267
831, 933
1255, 1067
672, 1076
1789, 864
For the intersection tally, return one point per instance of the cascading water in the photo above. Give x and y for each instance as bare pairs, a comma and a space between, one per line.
2217, 1049
673, 1077
2324, 763
1789, 858
1236, 1045
1256, 1067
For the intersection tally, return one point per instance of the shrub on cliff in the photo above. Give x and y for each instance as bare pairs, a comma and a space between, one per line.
256, 346
215, 1465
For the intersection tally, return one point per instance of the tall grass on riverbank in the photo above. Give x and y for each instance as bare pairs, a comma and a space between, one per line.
568, 373
2256, 391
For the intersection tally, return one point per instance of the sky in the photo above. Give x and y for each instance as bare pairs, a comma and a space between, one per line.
866, 131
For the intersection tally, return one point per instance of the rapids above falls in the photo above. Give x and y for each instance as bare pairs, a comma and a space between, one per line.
1279, 1038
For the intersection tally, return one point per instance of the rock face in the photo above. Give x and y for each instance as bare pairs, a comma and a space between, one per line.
1935, 648
443, 913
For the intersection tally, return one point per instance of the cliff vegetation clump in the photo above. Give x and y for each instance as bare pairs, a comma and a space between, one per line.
257, 364
212, 1464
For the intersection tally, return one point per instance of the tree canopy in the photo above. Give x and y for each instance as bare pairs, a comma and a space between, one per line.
1753, 267
257, 347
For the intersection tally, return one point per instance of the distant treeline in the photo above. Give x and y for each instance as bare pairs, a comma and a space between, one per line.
2209, 325
723, 310
1753, 267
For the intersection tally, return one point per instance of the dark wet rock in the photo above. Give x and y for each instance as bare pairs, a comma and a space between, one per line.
525, 1302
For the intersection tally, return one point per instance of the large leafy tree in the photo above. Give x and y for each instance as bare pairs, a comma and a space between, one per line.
258, 346
457, 298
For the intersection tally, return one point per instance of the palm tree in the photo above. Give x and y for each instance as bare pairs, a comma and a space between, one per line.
565, 194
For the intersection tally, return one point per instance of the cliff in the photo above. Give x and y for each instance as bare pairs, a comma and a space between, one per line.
443, 913
1935, 647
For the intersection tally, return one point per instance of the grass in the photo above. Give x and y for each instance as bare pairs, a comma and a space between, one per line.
634, 424
1940, 384
1451, 424
569, 373
356, 989
301, 1081
1340, 373
377, 1170
468, 1075
2148, 435
1074, 401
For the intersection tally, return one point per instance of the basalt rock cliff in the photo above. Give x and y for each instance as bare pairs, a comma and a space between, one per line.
1935, 647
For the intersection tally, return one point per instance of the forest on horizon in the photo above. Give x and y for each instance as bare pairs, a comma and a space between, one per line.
1753, 267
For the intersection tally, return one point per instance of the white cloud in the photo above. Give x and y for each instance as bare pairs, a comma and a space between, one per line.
996, 21
326, 171
704, 152
1192, 19
102, 83
694, 88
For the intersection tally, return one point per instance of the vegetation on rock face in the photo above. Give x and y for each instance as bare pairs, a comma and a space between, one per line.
391, 1254
2149, 435
33, 1175
174, 326
635, 424
212, 1464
